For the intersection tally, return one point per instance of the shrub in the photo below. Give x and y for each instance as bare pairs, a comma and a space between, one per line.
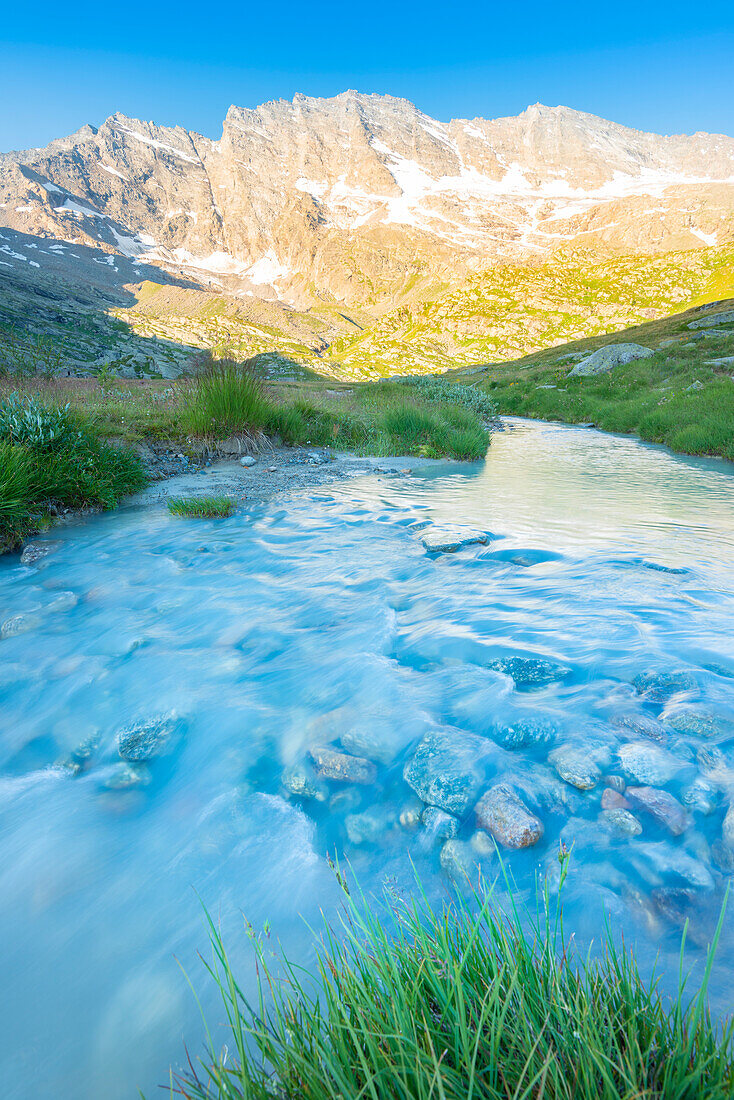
226, 398
436, 389
469, 1003
26, 421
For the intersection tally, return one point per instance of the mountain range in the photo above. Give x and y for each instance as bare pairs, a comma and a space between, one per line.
356, 232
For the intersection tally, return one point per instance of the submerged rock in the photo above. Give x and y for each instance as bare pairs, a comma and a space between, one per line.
444, 771
642, 725
147, 739
438, 824
37, 549
661, 805
373, 744
502, 813
727, 829
20, 624
529, 672
607, 358
700, 723
524, 733
482, 843
369, 826
658, 687
125, 777
459, 861
660, 860
621, 821
331, 764
451, 537
64, 601
575, 766
613, 800
700, 796
648, 764
299, 780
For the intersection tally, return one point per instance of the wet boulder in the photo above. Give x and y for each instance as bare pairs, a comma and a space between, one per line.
641, 725
659, 687
148, 738
575, 766
613, 800
647, 764
445, 770
438, 824
38, 549
300, 780
331, 764
370, 825
662, 806
529, 672
621, 822
524, 733
701, 796
459, 861
502, 812
125, 777
20, 624
700, 723
451, 537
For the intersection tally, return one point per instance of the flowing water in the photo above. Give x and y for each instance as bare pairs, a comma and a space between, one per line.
324, 618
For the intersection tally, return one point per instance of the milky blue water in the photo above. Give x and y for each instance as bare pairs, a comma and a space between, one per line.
284, 626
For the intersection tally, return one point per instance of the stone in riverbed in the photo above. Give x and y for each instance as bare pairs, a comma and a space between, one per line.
451, 537
20, 624
147, 739
620, 821
369, 826
438, 824
64, 601
299, 780
444, 770
125, 777
38, 549
331, 764
247, 460
659, 861
575, 766
646, 764
701, 723
524, 733
658, 687
374, 744
661, 805
642, 725
613, 800
727, 831
459, 861
502, 813
701, 796
529, 672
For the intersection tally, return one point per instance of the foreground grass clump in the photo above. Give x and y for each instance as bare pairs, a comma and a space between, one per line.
201, 507
223, 399
465, 1003
50, 458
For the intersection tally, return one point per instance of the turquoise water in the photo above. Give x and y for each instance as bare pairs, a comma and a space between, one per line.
282, 628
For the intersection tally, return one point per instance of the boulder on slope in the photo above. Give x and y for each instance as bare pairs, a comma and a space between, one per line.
605, 359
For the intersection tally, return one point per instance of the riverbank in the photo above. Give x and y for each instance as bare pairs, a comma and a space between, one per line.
71, 445
680, 392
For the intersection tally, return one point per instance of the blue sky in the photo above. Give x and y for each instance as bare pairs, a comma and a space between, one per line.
664, 67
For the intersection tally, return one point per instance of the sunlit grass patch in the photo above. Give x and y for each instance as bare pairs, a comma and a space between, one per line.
213, 507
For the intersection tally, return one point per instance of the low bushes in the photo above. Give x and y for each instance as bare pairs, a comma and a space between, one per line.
50, 457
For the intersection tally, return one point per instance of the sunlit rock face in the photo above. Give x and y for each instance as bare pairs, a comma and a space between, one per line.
346, 197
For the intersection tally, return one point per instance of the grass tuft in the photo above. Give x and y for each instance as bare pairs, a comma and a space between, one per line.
225, 398
467, 1003
201, 507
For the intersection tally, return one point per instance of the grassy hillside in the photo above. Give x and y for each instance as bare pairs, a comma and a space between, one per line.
509, 310
681, 396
